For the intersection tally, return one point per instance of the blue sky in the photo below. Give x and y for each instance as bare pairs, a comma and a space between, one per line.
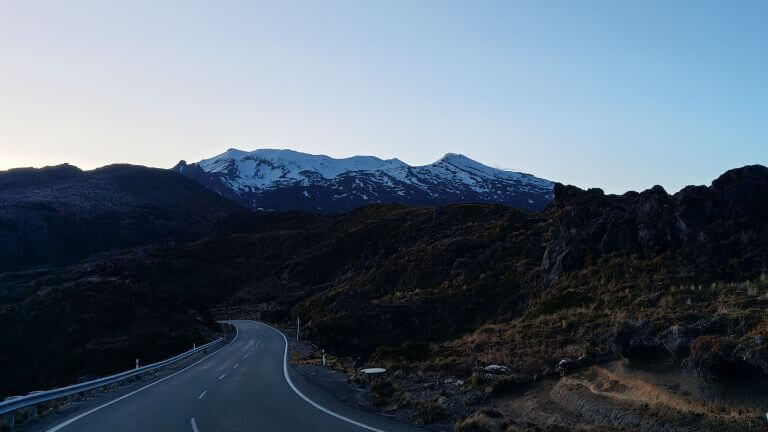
615, 94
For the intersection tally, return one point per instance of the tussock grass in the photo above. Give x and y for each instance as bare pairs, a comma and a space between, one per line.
576, 324
477, 422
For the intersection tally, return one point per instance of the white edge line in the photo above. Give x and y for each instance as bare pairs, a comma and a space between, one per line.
310, 401
78, 417
194, 425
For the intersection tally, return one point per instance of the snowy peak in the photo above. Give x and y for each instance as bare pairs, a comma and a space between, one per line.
466, 164
290, 164
291, 180
461, 162
454, 158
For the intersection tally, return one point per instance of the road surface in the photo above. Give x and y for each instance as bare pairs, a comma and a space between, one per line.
242, 387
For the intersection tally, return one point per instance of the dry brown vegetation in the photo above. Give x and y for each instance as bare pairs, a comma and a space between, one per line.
558, 327
633, 388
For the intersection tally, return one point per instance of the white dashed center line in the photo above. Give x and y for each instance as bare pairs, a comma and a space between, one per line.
202, 394
194, 425
222, 376
236, 366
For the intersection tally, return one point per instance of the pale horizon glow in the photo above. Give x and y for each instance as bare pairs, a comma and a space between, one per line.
616, 95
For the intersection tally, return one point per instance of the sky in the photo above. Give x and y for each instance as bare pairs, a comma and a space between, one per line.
616, 94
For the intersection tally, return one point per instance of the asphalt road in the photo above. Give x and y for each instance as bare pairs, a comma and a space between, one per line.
242, 387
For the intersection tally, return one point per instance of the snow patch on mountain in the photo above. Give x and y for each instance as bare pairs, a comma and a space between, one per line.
266, 167
270, 178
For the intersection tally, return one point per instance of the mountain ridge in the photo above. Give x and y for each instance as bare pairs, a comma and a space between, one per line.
286, 180
58, 215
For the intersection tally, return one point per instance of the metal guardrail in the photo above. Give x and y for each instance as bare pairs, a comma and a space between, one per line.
35, 398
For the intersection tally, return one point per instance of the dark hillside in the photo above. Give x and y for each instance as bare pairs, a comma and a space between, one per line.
404, 272
61, 326
58, 215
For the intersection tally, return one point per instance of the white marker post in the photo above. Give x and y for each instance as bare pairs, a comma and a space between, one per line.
137, 363
298, 327
323, 357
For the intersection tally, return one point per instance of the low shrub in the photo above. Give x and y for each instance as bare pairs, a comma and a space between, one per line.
432, 412
477, 422
562, 300
475, 381
381, 392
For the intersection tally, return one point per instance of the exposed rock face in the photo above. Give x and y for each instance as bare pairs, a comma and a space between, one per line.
716, 219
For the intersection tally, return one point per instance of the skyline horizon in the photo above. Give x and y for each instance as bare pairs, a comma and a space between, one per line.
620, 96
669, 190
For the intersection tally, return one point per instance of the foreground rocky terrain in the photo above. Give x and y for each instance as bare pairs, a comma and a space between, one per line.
601, 313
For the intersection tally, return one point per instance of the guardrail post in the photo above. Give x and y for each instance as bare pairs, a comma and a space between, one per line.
33, 411
9, 419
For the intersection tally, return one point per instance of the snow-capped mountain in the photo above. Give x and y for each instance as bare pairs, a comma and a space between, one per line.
268, 179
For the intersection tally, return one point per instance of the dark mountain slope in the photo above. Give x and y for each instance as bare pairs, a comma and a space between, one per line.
594, 277
409, 272
57, 215
63, 325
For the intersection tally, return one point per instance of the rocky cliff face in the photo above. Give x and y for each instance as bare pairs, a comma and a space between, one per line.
713, 222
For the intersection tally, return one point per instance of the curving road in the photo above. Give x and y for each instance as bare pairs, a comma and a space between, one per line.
245, 386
